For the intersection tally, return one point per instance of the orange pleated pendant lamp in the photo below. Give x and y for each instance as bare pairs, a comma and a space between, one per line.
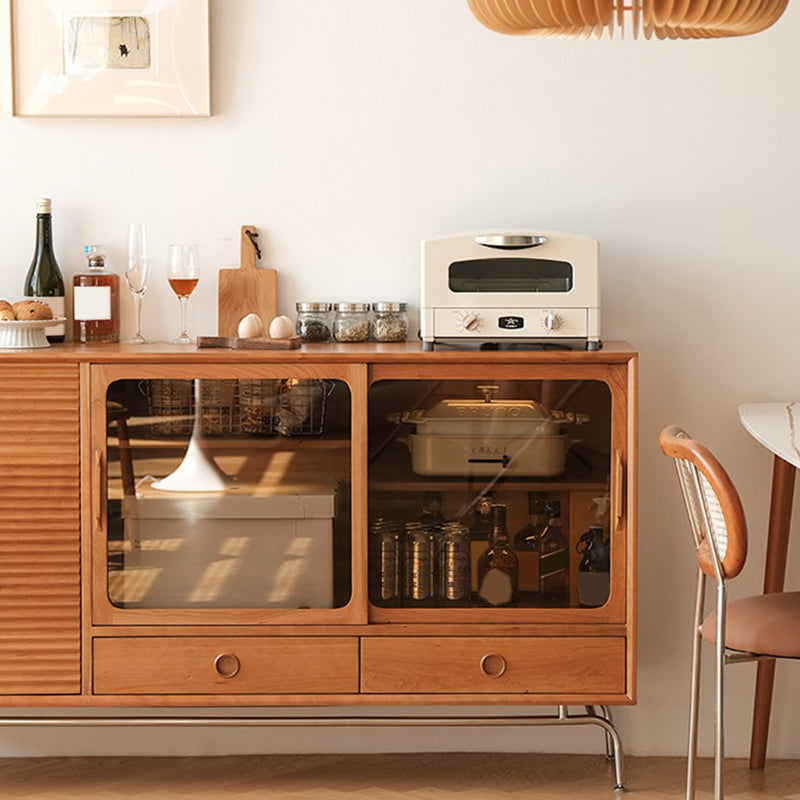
664, 19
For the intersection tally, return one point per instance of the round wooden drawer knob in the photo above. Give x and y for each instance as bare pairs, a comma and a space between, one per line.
226, 665
493, 665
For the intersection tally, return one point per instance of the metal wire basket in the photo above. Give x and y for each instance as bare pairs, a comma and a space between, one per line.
302, 407
287, 407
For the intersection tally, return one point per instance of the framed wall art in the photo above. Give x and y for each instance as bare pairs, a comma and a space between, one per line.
131, 58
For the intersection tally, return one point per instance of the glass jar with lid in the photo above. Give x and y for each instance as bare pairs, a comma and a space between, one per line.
314, 322
390, 323
351, 323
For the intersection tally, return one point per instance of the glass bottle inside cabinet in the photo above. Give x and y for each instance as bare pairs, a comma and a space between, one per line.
479, 536
498, 568
554, 559
275, 532
443, 451
527, 544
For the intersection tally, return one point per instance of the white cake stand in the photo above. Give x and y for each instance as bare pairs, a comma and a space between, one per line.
26, 334
198, 472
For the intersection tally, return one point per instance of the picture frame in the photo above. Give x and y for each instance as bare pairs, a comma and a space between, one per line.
115, 58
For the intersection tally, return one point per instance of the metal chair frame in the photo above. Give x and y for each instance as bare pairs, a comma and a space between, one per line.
704, 535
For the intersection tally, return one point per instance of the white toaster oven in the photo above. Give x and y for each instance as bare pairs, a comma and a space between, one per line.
510, 289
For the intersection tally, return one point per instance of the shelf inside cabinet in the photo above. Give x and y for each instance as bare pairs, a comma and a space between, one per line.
391, 472
289, 466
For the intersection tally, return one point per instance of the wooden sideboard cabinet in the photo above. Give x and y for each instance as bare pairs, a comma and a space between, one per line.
116, 591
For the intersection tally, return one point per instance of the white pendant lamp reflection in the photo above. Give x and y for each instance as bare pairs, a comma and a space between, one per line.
664, 19
198, 472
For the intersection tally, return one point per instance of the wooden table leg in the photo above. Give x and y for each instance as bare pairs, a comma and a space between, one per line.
780, 515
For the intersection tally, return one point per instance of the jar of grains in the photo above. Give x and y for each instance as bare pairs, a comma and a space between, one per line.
314, 322
390, 323
351, 323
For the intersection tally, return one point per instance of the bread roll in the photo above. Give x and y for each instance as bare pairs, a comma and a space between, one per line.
6, 310
32, 309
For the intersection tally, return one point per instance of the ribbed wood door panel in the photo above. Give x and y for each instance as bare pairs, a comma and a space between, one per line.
39, 530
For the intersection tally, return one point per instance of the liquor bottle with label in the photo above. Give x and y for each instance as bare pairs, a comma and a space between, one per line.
554, 559
479, 536
498, 568
526, 545
44, 281
95, 301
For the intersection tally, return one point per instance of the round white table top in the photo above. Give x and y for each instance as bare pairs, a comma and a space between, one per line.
776, 426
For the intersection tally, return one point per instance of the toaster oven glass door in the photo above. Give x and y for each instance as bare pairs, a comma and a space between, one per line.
502, 275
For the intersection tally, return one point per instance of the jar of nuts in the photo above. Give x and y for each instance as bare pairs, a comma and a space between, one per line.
390, 323
314, 322
351, 323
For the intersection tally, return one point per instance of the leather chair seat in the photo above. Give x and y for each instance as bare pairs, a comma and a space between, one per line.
765, 624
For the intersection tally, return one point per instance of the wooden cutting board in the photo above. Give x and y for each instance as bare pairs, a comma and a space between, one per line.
247, 290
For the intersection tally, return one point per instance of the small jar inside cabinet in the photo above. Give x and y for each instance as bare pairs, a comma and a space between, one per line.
314, 322
454, 565
386, 562
351, 323
390, 323
419, 561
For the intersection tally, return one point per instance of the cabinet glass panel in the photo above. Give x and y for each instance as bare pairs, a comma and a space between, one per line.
489, 493
229, 493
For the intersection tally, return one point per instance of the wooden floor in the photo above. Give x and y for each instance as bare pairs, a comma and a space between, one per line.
465, 776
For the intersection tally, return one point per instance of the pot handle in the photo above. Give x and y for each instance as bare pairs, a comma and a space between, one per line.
504, 460
400, 417
571, 417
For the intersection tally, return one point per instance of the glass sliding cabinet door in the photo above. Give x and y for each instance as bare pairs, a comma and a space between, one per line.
495, 493
226, 494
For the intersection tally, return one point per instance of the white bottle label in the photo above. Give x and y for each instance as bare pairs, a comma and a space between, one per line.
91, 302
58, 308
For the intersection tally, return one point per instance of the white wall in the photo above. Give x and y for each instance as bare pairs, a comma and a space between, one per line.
347, 130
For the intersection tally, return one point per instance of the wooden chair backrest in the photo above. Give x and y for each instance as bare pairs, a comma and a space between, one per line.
712, 502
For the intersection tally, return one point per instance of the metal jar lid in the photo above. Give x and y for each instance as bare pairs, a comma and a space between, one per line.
390, 306
351, 306
313, 306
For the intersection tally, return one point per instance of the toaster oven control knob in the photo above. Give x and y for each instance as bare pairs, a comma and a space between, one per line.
471, 322
552, 321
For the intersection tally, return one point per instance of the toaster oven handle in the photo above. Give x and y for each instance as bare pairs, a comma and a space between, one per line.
510, 241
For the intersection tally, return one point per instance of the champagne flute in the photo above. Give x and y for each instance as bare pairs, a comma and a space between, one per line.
183, 273
136, 273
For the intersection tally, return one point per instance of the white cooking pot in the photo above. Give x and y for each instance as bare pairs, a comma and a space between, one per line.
484, 437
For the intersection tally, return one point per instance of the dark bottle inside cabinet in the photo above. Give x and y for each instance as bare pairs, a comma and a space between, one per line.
539, 447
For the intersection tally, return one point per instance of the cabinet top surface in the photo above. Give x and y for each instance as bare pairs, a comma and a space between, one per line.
406, 352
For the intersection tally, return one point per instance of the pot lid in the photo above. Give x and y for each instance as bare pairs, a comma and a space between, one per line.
489, 408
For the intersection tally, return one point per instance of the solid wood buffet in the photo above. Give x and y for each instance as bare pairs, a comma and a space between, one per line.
106, 601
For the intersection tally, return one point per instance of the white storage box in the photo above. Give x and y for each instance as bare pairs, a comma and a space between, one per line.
231, 550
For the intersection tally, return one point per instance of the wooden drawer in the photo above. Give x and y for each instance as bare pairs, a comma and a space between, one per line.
235, 665
542, 665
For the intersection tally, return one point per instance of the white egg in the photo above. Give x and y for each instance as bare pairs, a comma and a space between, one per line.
281, 328
250, 327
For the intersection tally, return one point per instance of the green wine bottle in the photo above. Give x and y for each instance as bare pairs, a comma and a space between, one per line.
44, 281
